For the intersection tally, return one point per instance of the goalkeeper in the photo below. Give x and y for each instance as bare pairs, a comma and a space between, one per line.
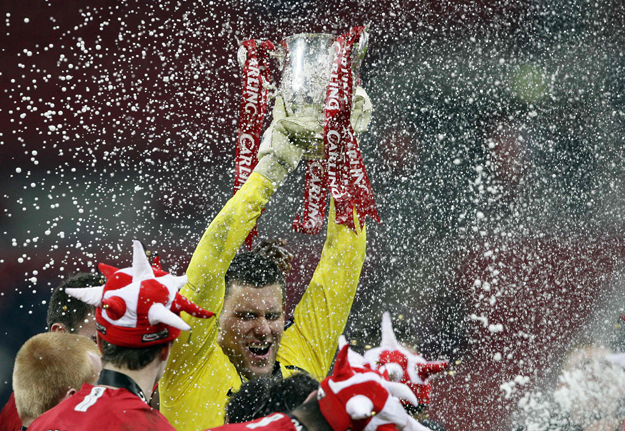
247, 291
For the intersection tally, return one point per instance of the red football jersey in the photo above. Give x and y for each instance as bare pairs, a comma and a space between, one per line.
9, 419
273, 422
98, 408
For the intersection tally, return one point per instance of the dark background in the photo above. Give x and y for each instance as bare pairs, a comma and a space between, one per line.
495, 154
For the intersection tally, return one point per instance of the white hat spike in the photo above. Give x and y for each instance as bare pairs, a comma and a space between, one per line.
158, 313
400, 391
142, 270
342, 341
354, 359
90, 295
173, 283
389, 342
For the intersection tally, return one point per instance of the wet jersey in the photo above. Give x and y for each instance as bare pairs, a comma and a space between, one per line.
9, 419
96, 408
199, 376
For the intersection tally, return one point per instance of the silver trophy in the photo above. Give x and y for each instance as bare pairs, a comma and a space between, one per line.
306, 61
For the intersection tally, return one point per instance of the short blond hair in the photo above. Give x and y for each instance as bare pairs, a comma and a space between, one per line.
47, 366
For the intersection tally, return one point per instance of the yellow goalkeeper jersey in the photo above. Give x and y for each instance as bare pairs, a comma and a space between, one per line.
199, 376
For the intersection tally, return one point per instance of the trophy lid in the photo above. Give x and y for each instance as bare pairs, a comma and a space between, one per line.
358, 53
307, 36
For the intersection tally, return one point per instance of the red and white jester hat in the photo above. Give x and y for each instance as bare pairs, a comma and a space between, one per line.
139, 306
403, 365
360, 399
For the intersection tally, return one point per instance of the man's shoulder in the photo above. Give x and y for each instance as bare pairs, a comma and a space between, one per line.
292, 356
94, 405
9, 419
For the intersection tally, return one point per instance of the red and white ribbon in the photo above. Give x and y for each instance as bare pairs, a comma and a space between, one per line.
315, 189
256, 80
346, 176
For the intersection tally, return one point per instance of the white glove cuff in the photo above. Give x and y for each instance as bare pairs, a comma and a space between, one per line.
270, 168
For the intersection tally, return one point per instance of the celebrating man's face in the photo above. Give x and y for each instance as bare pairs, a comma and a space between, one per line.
251, 326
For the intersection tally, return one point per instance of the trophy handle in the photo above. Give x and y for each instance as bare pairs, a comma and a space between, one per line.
277, 53
359, 51
280, 54
241, 55
361, 46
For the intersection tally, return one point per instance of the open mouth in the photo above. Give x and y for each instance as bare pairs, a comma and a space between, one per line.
260, 351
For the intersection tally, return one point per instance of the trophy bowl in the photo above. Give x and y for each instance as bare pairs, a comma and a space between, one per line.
306, 62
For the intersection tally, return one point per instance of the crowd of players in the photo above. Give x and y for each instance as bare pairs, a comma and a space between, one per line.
139, 348
65, 364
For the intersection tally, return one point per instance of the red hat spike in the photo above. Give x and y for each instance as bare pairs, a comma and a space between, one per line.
183, 304
115, 307
355, 360
156, 263
342, 368
429, 368
623, 317
389, 341
107, 270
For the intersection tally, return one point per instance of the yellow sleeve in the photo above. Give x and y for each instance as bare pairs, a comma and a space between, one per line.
320, 317
221, 241
192, 352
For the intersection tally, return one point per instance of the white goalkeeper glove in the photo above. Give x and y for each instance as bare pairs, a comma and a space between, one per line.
284, 142
361, 114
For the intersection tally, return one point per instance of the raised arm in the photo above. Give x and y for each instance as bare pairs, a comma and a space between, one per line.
222, 240
320, 317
